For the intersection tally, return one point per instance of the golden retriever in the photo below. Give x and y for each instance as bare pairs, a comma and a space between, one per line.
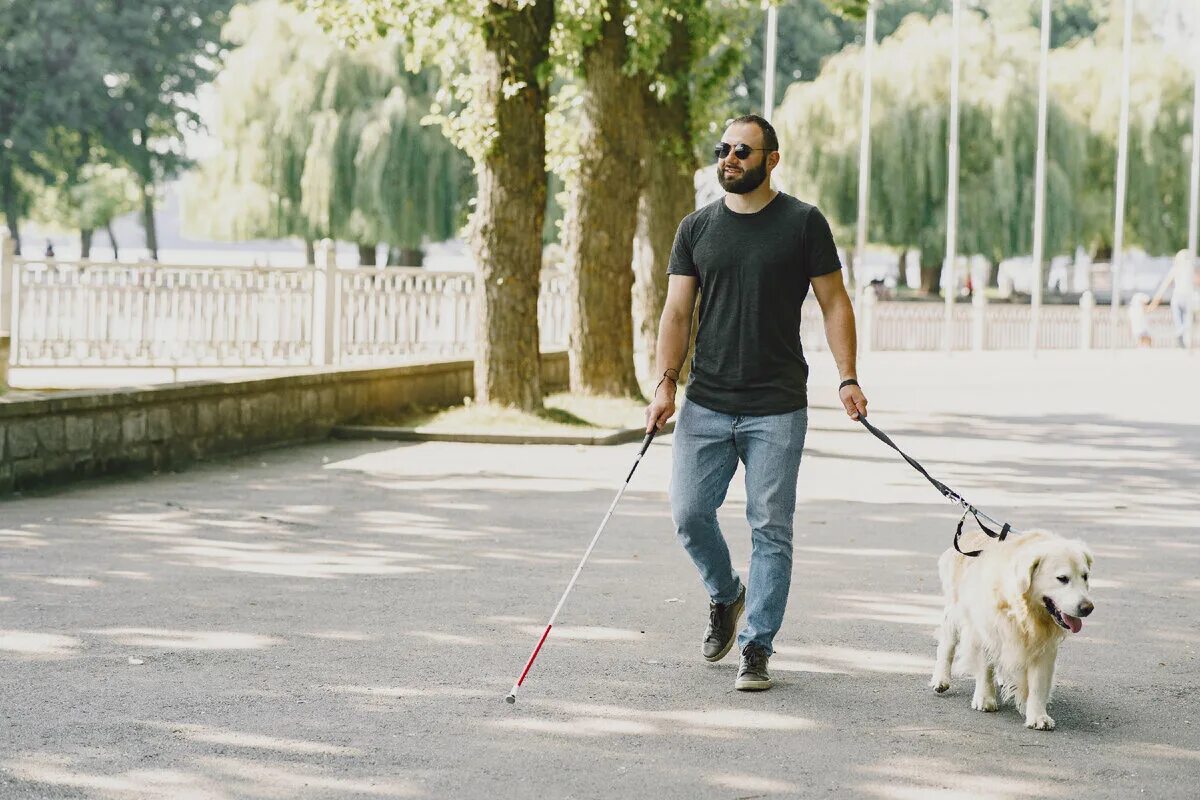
1009, 608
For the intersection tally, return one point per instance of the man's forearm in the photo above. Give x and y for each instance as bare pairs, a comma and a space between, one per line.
673, 333
842, 338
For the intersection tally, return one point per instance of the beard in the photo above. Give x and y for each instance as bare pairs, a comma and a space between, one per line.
746, 181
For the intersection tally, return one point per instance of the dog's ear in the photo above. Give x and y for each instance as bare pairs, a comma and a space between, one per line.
1023, 569
1082, 549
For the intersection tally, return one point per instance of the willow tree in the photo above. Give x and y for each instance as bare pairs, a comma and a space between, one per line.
1160, 123
819, 127
494, 59
321, 141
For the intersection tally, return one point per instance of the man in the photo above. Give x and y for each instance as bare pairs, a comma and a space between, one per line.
751, 256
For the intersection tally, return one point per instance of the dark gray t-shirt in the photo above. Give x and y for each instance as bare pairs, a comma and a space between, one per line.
754, 272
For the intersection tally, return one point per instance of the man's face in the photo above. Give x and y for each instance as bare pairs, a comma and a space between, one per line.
743, 175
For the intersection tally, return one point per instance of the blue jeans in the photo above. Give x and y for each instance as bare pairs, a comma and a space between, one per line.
708, 446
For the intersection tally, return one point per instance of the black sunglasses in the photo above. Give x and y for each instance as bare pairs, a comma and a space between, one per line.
742, 151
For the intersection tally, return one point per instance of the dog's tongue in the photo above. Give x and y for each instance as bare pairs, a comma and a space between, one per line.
1075, 622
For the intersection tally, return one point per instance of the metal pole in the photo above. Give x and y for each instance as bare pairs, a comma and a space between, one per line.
1039, 197
1194, 206
1122, 161
769, 65
864, 160
952, 187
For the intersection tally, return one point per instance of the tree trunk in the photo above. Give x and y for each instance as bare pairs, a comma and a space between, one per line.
85, 243
310, 252
902, 280
668, 196
506, 228
112, 240
406, 257
601, 217
148, 220
10, 206
930, 277
367, 255
931, 270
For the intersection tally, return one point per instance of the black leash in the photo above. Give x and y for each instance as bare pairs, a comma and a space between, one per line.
947, 492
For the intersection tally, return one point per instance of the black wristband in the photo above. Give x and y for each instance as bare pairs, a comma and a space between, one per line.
847, 382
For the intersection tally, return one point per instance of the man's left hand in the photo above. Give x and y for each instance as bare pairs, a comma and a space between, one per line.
854, 401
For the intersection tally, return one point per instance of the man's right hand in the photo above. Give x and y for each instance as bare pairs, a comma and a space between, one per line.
662, 407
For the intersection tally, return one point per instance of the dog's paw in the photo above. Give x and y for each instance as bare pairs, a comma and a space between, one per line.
1041, 722
939, 686
983, 703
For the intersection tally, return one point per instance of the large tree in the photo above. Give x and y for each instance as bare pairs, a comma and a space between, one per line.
684, 106
636, 64
603, 184
160, 53
494, 56
51, 66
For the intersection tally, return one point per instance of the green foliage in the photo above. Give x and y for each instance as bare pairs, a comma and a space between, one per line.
1070, 20
322, 140
1086, 77
445, 36
819, 128
809, 32
100, 194
111, 79
50, 70
161, 52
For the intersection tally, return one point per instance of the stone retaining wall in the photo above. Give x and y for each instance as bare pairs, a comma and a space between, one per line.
72, 435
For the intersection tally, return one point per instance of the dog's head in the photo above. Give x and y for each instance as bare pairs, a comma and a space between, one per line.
1053, 577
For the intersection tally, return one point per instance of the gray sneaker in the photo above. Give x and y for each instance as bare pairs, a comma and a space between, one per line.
752, 674
722, 627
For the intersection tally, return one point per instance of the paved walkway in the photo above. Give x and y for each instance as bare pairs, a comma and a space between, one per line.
343, 620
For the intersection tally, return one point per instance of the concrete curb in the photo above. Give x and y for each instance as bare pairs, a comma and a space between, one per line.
388, 433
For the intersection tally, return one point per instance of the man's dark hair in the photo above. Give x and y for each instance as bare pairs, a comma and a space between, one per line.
770, 140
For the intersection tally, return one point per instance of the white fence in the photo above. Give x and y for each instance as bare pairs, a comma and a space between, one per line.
979, 325
83, 314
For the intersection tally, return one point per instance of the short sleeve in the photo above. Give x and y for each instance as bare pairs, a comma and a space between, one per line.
681, 253
820, 252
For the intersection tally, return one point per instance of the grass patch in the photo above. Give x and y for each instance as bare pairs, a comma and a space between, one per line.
563, 414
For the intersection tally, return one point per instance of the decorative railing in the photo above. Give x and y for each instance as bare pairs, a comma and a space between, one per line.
979, 325
90, 314
80, 313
